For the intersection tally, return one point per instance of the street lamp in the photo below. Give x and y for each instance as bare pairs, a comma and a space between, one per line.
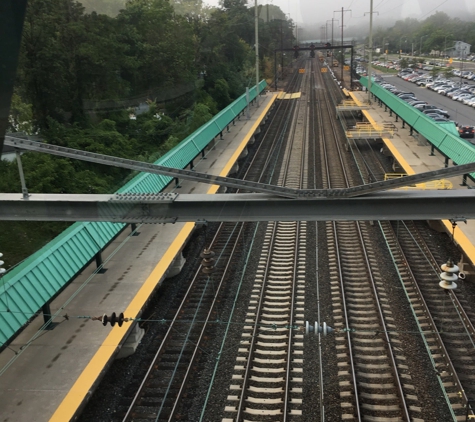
370, 41
326, 29
445, 46
400, 42
420, 50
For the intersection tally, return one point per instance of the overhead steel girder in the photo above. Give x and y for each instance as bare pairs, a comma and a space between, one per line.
171, 208
23, 144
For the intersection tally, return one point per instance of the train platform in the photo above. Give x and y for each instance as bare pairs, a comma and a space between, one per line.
413, 153
49, 375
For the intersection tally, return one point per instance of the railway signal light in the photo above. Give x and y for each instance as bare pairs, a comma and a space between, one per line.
312, 50
296, 51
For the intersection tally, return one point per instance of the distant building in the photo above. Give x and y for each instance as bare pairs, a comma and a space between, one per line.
459, 49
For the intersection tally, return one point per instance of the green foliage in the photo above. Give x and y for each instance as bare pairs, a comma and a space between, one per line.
404, 63
21, 116
83, 66
220, 93
435, 33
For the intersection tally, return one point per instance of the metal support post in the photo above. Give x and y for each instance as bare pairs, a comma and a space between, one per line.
390, 113
351, 70
203, 154
397, 118
98, 258
48, 324
220, 135
191, 165
256, 20
403, 124
177, 182
432, 150
248, 110
24, 190
411, 130
446, 163
464, 180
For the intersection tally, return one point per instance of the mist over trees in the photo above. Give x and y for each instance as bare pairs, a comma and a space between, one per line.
437, 32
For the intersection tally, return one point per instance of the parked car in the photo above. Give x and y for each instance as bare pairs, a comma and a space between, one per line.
428, 107
436, 116
424, 82
467, 100
466, 131
461, 97
416, 103
437, 111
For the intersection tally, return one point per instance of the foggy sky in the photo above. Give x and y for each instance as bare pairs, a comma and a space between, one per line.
311, 12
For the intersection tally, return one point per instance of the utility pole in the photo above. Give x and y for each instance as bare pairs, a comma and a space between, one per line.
333, 19
257, 52
342, 59
370, 59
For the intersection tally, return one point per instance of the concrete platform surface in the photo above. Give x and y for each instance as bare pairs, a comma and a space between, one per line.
413, 153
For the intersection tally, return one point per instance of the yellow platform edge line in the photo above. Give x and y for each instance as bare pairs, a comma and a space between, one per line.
400, 159
459, 236
85, 382
229, 165
79, 391
365, 112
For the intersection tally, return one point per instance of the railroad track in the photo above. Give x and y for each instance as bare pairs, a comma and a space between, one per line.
371, 387
161, 394
368, 369
443, 321
162, 387
268, 375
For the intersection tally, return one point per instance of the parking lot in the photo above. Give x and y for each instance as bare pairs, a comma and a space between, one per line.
443, 99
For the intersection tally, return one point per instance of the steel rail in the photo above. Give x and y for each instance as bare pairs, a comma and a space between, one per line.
240, 408
316, 66
240, 228
464, 318
390, 354
388, 232
172, 329
328, 180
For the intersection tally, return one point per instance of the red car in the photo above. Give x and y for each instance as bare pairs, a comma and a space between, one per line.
466, 131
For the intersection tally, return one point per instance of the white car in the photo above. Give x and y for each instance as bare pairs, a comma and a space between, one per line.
461, 97
468, 99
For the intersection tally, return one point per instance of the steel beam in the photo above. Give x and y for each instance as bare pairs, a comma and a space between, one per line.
237, 183
171, 208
